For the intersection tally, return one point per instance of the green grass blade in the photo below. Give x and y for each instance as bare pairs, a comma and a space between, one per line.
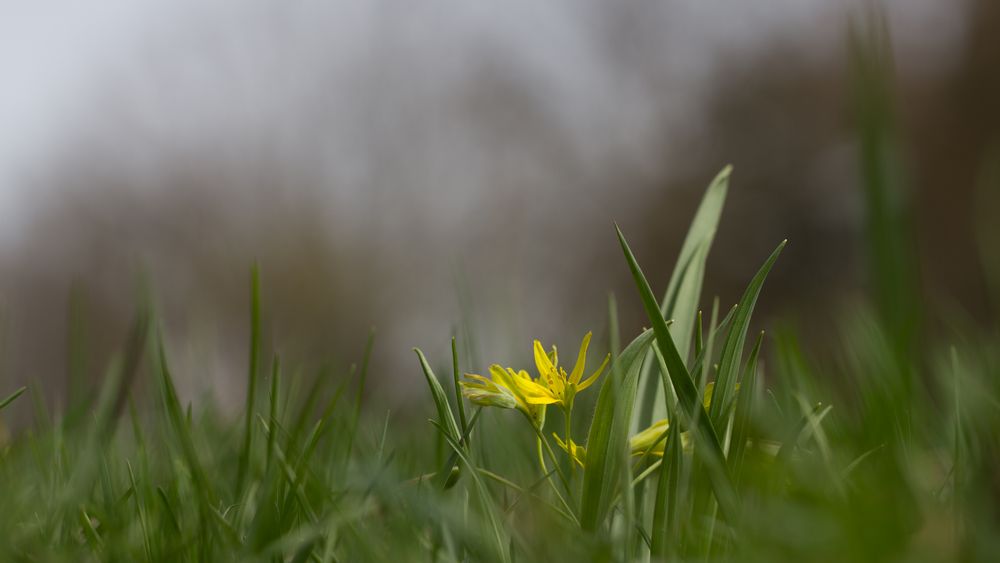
182, 433
744, 410
244, 461
12, 397
362, 378
608, 433
892, 261
690, 402
732, 350
667, 494
489, 507
273, 407
140, 514
447, 476
681, 300
458, 388
445, 415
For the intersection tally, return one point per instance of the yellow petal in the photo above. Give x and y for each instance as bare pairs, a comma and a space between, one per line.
502, 378
581, 359
542, 361
541, 399
531, 389
642, 441
706, 401
478, 378
590, 380
578, 453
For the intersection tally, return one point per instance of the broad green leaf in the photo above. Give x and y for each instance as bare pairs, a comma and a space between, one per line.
683, 294
608, 435
707, 443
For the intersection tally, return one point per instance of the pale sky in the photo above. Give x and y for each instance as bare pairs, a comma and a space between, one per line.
57, 57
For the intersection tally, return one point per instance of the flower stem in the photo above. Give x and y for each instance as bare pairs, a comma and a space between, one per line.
569, 441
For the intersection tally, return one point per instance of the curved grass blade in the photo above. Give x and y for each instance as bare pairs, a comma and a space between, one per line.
445, 416
667, 494
244, 462
744, 410
12, 397
489, 507
732, 350
608, 433
687, 394
680, 302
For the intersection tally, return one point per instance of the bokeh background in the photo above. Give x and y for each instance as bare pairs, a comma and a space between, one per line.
439, 167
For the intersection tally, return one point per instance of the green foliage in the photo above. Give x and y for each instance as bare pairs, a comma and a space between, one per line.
609, 433
878, 452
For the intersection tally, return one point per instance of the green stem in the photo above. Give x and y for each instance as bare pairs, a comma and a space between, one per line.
569, 440
541, 456
555, 463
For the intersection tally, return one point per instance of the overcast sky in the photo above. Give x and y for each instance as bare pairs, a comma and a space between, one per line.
55, 58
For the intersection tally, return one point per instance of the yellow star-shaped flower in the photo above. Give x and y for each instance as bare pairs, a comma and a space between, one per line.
507, 388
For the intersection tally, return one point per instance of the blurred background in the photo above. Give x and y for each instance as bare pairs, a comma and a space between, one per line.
446, 167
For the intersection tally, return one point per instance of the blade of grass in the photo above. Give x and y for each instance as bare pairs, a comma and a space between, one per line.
732, 350
667, 494
362, 378
12, 397
458, 390
681, 300
273, 410
141, 515
440, 399
744, 411
608, 434
489, 507
244, 460
686, 392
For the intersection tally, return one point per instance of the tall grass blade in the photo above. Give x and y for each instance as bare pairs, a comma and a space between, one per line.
668, 494
489, 507
244, 461
687, 394
445, 415
608, 433
891, 256
744, 411
681, 300
732, 350
12, 397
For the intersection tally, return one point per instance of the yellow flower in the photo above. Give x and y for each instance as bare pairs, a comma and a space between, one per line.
560, 387
637, 445
644, 440
509, 389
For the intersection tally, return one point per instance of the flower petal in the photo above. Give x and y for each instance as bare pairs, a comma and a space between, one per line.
542, 361
581, 359
590, 380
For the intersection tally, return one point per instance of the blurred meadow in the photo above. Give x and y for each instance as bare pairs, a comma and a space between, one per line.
224, 228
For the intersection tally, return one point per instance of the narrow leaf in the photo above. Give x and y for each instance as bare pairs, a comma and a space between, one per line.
608, 433
681, 300
732, 350
445, 416
686, 392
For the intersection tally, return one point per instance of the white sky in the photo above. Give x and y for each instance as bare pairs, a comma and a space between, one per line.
54, 56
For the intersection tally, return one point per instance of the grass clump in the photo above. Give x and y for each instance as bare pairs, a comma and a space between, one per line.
691, 450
